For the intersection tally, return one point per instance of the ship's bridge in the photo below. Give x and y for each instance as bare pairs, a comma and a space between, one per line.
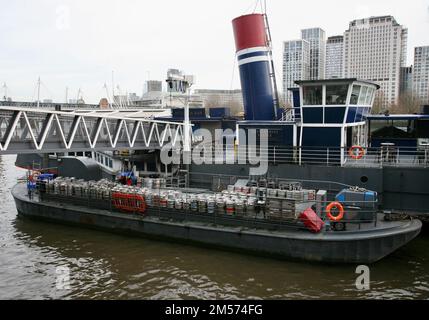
332, 113
333, 101
326, 115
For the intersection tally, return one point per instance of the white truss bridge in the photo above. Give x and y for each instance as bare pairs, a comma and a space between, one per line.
36, 130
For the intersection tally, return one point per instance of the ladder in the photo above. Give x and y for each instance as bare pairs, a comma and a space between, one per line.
272, 69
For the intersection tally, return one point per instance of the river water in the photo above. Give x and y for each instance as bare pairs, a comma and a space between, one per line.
107, 266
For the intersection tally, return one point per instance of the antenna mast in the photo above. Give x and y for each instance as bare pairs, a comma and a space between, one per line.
78, 96
38, 92
113, 87
270, 53
5, 91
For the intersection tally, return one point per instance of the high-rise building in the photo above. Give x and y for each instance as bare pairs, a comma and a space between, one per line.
421, 74
334, 57
296, 65
154, 86
317, 40
375, 50
406, 85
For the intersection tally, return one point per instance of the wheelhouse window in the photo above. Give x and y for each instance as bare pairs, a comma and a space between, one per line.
368, 97
355, 95
362, 96
312, 95
336, 94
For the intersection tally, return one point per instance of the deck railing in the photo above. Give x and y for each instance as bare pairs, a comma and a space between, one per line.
355, 218
377, 157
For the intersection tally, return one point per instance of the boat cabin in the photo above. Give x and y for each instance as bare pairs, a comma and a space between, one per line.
326, 115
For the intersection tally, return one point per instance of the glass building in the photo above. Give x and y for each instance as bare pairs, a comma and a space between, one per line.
421, 74
334, 57
296, 65
317, 39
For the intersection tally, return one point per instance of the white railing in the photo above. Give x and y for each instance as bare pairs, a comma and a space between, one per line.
325, 156
287, 116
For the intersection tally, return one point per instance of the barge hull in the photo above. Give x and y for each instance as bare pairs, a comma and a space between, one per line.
363, 247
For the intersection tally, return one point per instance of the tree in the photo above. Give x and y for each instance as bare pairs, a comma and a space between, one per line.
211, 102
378, 106
407, 104
236, 107
234, 104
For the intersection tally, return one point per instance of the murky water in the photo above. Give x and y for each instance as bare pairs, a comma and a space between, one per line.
107, 266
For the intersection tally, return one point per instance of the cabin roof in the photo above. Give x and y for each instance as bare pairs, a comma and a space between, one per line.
327, 81
399, 117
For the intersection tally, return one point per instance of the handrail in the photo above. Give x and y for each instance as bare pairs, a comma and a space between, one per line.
326, 156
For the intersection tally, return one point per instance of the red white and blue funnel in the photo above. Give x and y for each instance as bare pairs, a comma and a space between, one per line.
254, 63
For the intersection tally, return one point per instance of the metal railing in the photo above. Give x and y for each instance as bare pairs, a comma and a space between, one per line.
324, 156
288, 115
49, 105
355, 219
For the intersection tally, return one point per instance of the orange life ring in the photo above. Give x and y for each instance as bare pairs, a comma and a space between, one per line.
337, 205
359, 155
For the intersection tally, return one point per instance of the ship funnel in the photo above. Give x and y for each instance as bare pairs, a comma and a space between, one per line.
254, 61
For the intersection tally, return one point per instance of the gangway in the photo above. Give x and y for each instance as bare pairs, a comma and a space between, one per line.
37, 130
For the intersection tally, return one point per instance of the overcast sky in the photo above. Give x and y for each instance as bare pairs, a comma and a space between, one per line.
78, 43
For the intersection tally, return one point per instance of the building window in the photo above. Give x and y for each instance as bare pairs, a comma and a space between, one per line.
336, 94
312, 95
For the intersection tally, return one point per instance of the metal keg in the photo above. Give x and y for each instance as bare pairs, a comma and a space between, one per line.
230, 209
149, 199
220, 205
178, 204
194, 204
187, 205
211, 206
281, 193
239, 207
202, 204
272, 193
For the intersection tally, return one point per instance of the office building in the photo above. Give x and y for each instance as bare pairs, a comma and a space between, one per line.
421, 74
316, 37
406, 85
375, 50
296, 65
334, 57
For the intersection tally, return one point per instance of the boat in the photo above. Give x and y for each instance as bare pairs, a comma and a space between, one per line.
327, 194
251, 216
333, 135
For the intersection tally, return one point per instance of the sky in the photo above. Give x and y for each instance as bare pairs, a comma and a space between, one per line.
78, 43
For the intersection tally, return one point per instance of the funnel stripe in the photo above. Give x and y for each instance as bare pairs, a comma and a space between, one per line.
253, 54
253, 59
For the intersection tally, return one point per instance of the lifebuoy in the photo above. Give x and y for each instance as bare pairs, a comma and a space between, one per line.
359, 155
337, 205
